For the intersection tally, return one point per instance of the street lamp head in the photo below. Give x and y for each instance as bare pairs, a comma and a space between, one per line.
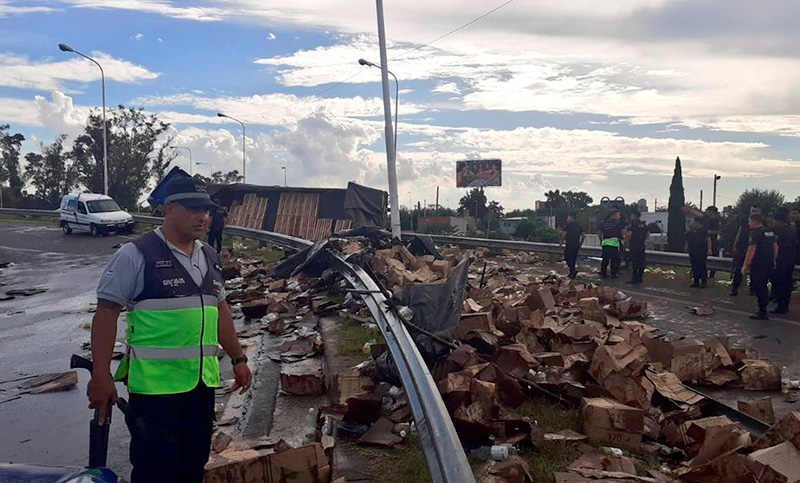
716, 176
367, 63
65, 48
219, 114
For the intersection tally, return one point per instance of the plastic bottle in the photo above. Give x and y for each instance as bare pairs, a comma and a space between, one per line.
494, 453
612, 451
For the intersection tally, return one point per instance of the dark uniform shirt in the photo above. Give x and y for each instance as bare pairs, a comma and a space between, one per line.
638, 235
786, 236
743, 238
764, 241
573, 233
612, 228
797, 249
697, 240
218, 220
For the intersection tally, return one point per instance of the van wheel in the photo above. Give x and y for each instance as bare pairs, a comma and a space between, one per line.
93, 230
65, 228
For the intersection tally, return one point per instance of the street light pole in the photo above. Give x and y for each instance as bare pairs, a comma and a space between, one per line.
210, 167
284, 176
396, 96
191, 170
67, 48
391, 162
244, 156
716, 178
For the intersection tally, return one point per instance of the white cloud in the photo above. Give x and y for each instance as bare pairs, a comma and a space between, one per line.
160, 7
9, 8
447, 87
160, 40
138, 37
23, 73
271, 36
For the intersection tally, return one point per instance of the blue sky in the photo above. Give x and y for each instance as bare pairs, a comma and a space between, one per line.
596, 96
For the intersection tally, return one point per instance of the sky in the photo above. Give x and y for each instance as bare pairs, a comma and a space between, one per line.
573, 95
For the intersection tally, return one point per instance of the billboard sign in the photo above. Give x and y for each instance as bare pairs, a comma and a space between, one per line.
478, 173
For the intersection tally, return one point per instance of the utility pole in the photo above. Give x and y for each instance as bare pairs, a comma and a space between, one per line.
716, 178
391, 162
701, 200
437, 197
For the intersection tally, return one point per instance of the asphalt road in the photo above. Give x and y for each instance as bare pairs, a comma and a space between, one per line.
39, 333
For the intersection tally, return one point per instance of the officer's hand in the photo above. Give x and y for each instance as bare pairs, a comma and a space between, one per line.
745, 270
241, 372
102, 392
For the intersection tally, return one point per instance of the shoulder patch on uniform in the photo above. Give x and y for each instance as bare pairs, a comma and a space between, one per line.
163, 264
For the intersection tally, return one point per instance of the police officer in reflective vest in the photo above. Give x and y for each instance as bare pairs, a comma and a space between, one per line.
172, 287
611, 236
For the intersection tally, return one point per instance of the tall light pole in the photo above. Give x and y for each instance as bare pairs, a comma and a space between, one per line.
716, 178
191, 170
210, 167
391, 161
396, 96
67, 48
244, 156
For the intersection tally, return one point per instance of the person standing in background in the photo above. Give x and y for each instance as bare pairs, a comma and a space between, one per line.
740, 246
759, 262
611, 236
698, 245
713, 224
572, 237
786, 238
218, 218
638, 234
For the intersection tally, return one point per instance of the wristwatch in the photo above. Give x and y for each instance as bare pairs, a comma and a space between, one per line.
236, 360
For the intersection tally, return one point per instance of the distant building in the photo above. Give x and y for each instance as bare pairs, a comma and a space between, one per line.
509, 225
539, 205
641, 205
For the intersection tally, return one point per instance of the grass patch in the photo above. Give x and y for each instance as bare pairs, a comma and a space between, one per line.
552, 458
351, 337
31, 219
252, 249
397, 465
549, 417
646, 462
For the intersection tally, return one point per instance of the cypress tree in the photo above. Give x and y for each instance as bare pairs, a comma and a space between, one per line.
676, 224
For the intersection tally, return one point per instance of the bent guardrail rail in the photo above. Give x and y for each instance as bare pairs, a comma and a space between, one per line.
444, 455
720, 264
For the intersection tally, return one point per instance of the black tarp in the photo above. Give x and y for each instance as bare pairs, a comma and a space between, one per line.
366, 206
422, 245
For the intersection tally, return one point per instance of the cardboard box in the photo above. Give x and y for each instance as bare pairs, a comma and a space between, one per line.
780, 463
688, 360
787, 429
481, 321
760, 375
760, 409
306, 464
609, 422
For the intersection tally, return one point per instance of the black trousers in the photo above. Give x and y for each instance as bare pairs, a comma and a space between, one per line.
611, 256
215, 239
170, 435
637, 264
714, 251
782, 285
699, 262
759, 278
571, 257
738, 278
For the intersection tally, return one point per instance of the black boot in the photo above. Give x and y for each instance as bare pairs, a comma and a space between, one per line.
782, 308
761, 314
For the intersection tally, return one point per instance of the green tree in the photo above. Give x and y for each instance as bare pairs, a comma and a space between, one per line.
676, 224
537, 230
52, 173
136, 152
555, 199
230, 177
767, 200
10, 174
473, 204
577, 200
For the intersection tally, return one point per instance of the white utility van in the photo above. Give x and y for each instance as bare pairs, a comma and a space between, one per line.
97, 214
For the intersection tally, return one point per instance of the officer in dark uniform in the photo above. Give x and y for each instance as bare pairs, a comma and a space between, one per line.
759, 261
698, 245
218, 218
794, 215
637, 232
611, 240
739, 251
713, 224
572, 237
786, 238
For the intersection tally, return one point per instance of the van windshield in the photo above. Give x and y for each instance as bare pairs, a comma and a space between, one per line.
102, 206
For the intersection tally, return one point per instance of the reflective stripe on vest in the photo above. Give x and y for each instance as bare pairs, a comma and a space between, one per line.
172, 328
610, 242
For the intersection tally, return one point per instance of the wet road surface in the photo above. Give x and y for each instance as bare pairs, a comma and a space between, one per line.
38, 334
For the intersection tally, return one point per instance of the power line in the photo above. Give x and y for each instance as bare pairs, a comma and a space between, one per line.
457, 29
451, 32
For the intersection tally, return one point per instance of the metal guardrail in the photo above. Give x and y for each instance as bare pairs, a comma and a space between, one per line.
444, 454
720, 264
